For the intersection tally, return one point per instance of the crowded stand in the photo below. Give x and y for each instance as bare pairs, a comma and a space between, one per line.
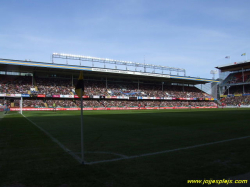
45, 103
236, 100
55, 86
239, 77
238, 89
236, 96
15, 84
33, 88
155, 103
107, 103
152, 90
52, 86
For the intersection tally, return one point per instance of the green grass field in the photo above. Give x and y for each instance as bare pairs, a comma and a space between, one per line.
124, 148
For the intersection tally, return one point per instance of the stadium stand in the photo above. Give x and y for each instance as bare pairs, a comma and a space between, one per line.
108, 103
15, 84
235, 101
48, 86
42, 87
235, 78
237, 89
236, 86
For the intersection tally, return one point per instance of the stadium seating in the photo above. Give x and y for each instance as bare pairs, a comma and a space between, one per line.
49, 87
236, 100
238, 89
235, 78
55, 86
236, 95
15, 84
34, 103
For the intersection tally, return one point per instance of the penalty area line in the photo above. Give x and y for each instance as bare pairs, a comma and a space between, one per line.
56, 141
168, 151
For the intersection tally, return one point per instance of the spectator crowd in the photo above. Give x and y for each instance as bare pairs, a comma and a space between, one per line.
107, 103
97, 87
240, 77
236, 100
60, 86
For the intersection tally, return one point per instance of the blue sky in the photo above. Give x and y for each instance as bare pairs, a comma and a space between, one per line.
191, 34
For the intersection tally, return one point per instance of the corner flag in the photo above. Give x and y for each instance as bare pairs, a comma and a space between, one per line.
79, 89
80, 85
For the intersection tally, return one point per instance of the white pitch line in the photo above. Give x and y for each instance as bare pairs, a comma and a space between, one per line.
124, 157
56, 141
110, 153
167, 151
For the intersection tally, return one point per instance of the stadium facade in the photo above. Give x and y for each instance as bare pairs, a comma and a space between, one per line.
40, 81
234, 90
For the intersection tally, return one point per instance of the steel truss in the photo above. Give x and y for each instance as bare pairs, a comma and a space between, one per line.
117, 62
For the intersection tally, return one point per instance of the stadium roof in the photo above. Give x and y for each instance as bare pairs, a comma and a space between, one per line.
236, 66
9, 65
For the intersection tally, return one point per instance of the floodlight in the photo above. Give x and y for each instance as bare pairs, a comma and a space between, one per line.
112, 61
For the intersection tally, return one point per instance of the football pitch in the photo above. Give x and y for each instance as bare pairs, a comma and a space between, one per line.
123, 148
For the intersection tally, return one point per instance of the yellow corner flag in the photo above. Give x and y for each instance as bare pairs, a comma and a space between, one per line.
80, 85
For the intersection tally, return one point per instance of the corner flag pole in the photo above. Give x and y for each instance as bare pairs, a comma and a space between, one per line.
79, 91
82, 147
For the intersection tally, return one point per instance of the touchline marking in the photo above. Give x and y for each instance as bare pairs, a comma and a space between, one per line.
104, 152
167, 151
56, 141
124, 157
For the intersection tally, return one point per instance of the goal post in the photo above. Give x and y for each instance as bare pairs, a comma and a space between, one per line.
21, 105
